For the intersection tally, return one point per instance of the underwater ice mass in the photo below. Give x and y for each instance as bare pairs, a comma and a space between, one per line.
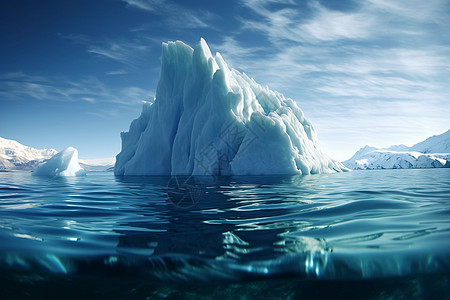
208, 119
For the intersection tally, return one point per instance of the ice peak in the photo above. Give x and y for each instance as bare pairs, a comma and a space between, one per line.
64, 163
205, 48
203, 61
210, 120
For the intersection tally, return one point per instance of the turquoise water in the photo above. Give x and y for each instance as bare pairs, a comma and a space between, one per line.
374, 234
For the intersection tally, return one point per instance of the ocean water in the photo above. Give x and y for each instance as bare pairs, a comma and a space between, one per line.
359, 235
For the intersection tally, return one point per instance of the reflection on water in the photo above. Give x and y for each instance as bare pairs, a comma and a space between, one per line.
353, 225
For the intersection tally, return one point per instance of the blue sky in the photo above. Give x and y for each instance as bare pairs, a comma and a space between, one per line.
74, 73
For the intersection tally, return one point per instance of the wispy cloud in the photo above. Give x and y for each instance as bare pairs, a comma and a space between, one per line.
117, 72
19, 85
176, 15
376, 65
126, 51
369, 19
136, 47
149, 5
330, 25
290, 23
132, 49
433, 11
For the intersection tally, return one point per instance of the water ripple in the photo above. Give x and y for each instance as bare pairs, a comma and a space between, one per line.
330, 226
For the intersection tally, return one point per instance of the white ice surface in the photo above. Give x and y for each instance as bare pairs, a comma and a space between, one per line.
64, 163
208, 119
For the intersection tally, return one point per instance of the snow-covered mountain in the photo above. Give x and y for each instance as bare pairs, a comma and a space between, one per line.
98, 165
435, 144
15, 156
434, 152
208, 119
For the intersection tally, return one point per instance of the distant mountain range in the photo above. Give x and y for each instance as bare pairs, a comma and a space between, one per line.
15, 156
98, 165
433, 152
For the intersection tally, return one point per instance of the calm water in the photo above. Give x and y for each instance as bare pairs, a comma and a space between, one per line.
373, 234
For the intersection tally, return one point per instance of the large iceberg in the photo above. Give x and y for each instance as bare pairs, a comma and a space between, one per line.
64, 163
208, 119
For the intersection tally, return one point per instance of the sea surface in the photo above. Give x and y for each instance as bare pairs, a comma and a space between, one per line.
382, 234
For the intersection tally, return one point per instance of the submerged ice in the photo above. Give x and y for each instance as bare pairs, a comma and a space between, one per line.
64, 163
208, 119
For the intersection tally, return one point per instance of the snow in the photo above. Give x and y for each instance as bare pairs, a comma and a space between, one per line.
435, 144
98, 164
15, 156
434, 152
106, 161
384, 159
64, 163
208, 119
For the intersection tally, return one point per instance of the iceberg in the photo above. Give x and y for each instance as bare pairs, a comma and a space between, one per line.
208, 119
64, 163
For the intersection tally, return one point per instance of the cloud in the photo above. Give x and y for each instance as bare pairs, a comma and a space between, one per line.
149, 5
18, 85
329, 25
123, 52
132, 49
126, 51
14, 86
176, 15
378, 66
353, 53
117, 72
432, 11
290, 23
318, 23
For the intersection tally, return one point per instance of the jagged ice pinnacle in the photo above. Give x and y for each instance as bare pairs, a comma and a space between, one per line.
208, 119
